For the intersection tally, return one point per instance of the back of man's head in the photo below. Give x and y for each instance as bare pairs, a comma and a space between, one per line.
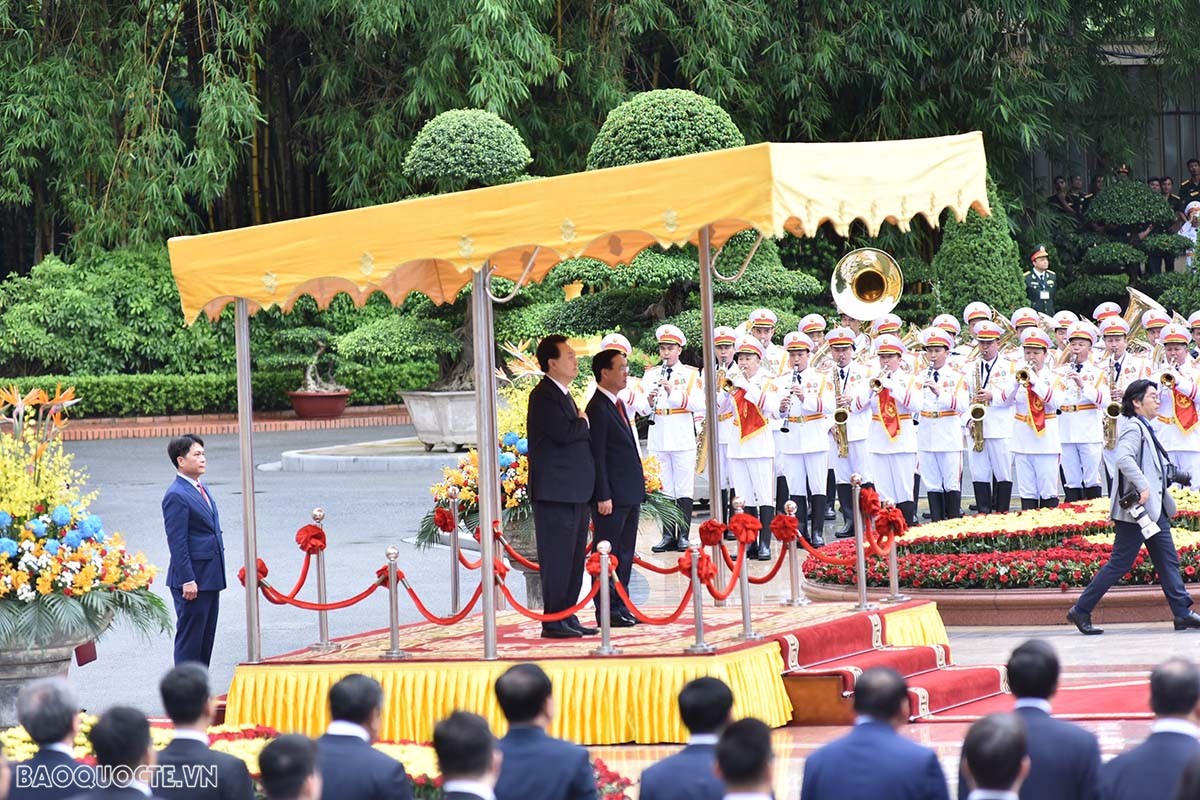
1033, 670
1174, 688
994, 752
47, 708
705, 704
185, 694
355, 698
465, 747
744, 755
288, 767
522, 692
121, 738
880, 693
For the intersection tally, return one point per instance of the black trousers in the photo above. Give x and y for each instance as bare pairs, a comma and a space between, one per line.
195, 625
1126, 545
620, 530
561, 533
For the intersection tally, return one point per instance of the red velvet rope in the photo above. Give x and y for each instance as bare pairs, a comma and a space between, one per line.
768, 576
443, 520
278, 599
655, 567
712, 532
667, 620
311, 538
260, 567
557, 616
303, 576
451, 620
462, 559
515, 556
735, 572
824, 558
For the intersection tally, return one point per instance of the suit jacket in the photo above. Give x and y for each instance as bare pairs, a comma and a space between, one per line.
353, 770
873, 762
194, 537
614, 451
1141, 467
1064, 760
40, 766
125, 793
233, 779
1151, 770
687, 775
539, 767
561, 468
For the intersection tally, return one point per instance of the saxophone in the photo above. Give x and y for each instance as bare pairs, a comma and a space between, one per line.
977, 412
702, 432
841, 437
1111, 411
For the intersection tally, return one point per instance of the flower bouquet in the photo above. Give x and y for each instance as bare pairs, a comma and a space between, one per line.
62, 576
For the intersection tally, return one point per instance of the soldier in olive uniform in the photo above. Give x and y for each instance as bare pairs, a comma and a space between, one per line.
1041, 283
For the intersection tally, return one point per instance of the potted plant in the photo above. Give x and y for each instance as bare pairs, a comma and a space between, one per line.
314, 350
63, 578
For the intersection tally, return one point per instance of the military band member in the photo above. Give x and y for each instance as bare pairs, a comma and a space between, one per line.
851, 387
940, 435
976, 312
762, 324
891, 438
1105, 310
1193, 323
1035, 436
724, 339
754, 401
1122, 369
804, 446
988, 378
813, 326
1178, 424
958, 350
862, 340
1083, 393
1041, 283
1153, 321
672, 395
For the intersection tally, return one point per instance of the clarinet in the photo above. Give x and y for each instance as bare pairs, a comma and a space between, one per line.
795, 380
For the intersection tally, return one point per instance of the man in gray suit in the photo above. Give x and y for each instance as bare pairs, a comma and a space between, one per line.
1141, 469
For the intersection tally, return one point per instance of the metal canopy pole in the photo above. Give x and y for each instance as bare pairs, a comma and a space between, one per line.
245, 403
489, 457
716, 511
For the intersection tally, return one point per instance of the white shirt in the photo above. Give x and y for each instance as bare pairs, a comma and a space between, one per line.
1033, 702
339, 727
59, 747
607, 394
703, 738
141, 787
991, 794
561, 388
1175, 725
747, 796
469, 787
191, 735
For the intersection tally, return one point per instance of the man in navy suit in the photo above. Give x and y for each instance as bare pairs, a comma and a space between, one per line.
620, 484
467, 757
995, 757
1064, 758
537, 766
745, 761
351, 769
196, 574
1153, 768
288, 766
898, 769
49, 712
562, 478
704, 706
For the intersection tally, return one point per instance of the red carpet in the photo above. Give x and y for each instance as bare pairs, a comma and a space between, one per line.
1094, 700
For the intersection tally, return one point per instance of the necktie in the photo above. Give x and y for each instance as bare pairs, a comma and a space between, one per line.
621, 410
935, 376
1079, 367
842, 375
667, 373
204, 494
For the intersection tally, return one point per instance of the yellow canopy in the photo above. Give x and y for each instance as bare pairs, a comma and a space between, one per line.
432, 244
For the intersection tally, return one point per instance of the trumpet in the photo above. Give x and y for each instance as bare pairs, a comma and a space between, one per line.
876, 383
1023, 375
1167, 380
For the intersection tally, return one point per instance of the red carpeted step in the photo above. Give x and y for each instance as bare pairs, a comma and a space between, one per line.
817, 644
908, 661
937, 691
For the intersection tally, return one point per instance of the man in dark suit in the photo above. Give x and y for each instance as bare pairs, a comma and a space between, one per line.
536, 766
995, 757
562, 478
745, 761
899, 769
467, 757
351, 769
1064, 758
620, 484
1153, 768
704, 706
196, 574
288, 766
124, 756
49, 712
186, 698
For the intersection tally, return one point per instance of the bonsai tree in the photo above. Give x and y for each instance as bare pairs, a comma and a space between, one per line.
310, 349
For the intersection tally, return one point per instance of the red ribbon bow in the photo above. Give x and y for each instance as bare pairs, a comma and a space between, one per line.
712, 531
785, 528
443, 520
260, 568
311, 538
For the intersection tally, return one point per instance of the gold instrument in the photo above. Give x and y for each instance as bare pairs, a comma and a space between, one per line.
977, 412
821, 360
1139, 304
701, 448
1167, 380
1111, 412
841, 436
1024, 373
866, 284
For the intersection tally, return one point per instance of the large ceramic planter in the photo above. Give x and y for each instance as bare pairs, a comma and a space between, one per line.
20, 665
319, 405
442, 418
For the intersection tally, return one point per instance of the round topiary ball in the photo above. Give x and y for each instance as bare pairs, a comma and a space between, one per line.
465, 149
662, 124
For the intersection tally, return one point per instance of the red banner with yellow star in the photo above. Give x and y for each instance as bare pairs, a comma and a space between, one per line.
1185, 411
750, 416
889, 414
1037, 410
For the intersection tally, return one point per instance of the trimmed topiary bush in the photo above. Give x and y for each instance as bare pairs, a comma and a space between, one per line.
662, 124
1129, 204
1089, 291
396, 340
1111, 257
1167, 244
466, 149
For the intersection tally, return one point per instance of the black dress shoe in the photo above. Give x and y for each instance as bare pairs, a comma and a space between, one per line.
817, 541
730, 536
1083, 621
764, 554
618, 621
844, 533
1190, 620
628, 616
667, 542
574, 624
557, 630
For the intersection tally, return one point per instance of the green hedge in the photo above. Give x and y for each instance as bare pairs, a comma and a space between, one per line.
154, 395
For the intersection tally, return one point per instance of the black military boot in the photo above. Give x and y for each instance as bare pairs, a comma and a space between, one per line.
781, 493
817, 532
937, 506
983, 497
830, 491
1048, 502
681, 536
845, 497
1027, 505
908, 508
765, 515
802, 515
1071, 494
953, 505
1092, 492
1003, 497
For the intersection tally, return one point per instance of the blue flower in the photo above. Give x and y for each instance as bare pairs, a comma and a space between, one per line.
52, 547
5, 520
98, 536
523, 445
61, 516
8, 547
507, 460
91, 525
73, 538
37, 526
510, 439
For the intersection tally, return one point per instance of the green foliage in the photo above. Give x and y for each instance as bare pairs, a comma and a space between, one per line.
978, 260
465, 149
1184, 294
601, 313
1156, 285
1127, 204
1112, 257
1167, 244
49, 617
396, 340
1083, 293
662, 124
524, 323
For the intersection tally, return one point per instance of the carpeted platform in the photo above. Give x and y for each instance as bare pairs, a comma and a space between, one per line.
1111, 700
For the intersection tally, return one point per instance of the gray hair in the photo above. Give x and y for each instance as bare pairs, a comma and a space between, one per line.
47, 708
